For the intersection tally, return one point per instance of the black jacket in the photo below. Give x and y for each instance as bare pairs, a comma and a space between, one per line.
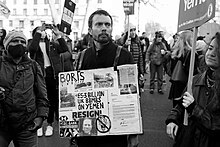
25, 92
53, 50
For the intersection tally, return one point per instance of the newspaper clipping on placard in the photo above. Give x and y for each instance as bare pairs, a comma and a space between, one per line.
99, 102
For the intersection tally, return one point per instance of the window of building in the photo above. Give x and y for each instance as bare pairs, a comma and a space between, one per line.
76, 24
58, 11
99, 1
15, 2
76, 1
46, 2
24, 11
35, 11
25, 2
14, 11
10, 23
1, 23
32, 23
56, 1
45, 11
35, 2
75, 35
21, 24
76, 12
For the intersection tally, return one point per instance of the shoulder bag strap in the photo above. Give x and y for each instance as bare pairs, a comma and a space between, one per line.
118, 51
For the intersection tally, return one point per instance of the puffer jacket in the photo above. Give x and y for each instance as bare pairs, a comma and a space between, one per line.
53, 49
25, 92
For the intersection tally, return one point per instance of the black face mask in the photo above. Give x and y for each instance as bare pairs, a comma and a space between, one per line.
16, 51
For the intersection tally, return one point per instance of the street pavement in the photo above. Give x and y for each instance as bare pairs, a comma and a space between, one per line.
154, 109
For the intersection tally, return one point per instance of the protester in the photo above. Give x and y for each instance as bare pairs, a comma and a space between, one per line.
164, 40
201, 50
202, 105
135, 48
174, 41
182, 53
144, 46
2, 37
102, 54
86, 41
155, 57
46, 46
66, 57
24, 103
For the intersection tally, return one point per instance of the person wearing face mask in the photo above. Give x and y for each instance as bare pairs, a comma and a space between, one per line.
24, 104
203, 106
45, 48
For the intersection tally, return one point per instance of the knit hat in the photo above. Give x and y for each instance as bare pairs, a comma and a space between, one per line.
11, 35
130, 25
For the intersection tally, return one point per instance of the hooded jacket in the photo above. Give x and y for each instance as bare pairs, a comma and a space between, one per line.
25, 92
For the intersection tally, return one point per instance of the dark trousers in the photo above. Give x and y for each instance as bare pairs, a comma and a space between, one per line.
23, 138
156, 69
52, 94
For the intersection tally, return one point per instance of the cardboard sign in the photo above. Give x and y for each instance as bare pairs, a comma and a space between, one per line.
194, 13
128, 7
67, 17
99, 102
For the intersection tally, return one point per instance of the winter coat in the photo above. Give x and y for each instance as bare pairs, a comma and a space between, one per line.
25, 92
204, 118
105, 58
102, 59
153, 53
53, 49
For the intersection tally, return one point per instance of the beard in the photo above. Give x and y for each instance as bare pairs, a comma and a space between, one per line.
103, 38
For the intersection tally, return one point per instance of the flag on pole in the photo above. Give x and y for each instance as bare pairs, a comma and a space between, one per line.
4, 10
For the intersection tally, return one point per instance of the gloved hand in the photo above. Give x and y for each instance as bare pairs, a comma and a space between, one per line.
37, 123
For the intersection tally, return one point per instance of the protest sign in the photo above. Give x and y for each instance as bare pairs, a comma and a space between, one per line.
99, 102
128, 7
67, 16
194, 13
4, 10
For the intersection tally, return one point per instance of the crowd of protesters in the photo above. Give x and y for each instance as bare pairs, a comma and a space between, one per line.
50, 52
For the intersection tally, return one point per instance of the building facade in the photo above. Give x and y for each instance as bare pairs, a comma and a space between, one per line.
27, 14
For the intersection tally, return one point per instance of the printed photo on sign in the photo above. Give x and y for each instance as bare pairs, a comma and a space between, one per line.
87, 127
66, 99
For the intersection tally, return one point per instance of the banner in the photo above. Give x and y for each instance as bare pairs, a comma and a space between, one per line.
128, 7
194, 13
99, 102
67, 17
4, 10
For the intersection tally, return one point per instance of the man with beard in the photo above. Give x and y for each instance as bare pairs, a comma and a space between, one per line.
23, 95
101, 54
